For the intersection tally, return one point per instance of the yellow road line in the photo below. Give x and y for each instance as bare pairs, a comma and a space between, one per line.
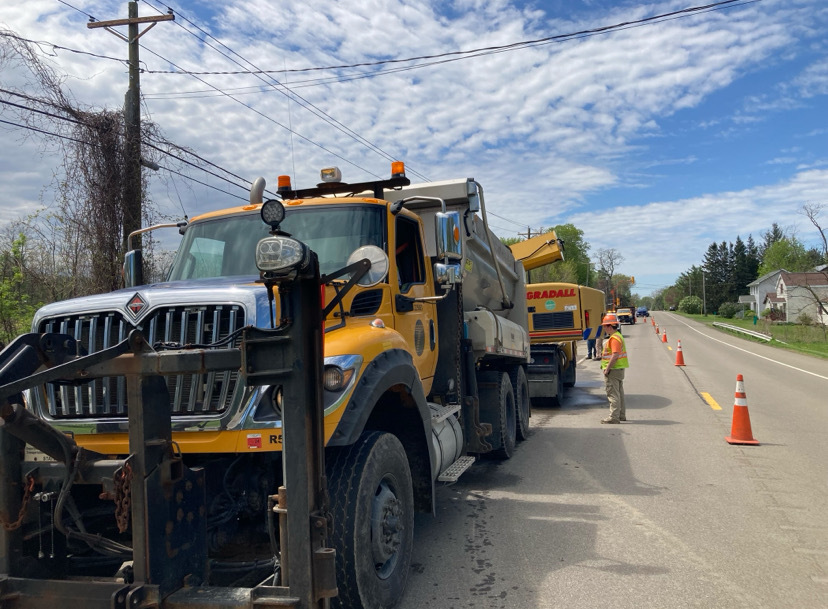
710, 401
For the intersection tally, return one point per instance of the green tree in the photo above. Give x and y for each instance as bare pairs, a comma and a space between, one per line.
690, 304
16, 308
788, 253
769, 238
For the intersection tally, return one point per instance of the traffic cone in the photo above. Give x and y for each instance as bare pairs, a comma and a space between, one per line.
740, 432
664, 337
657, 330
679, 355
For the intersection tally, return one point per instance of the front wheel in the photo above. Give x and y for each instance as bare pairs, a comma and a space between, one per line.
372, 502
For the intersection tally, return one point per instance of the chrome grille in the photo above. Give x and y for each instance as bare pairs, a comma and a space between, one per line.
190, 394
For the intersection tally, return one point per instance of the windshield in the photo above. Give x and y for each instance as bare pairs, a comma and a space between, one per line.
226, 246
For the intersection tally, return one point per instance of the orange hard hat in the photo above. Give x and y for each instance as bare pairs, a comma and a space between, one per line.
610, 319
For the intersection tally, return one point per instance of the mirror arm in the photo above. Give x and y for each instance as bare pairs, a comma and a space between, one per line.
358, 268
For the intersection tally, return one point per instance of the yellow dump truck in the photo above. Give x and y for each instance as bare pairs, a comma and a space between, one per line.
425, 351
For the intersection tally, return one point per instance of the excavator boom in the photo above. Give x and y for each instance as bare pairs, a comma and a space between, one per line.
538, 251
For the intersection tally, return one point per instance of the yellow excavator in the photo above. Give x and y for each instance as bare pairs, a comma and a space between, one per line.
560, 314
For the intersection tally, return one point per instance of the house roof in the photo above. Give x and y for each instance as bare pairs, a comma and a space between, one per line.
766, 276
804, 279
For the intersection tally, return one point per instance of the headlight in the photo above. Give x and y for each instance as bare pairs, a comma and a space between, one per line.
339, 372
280, 255
335, 378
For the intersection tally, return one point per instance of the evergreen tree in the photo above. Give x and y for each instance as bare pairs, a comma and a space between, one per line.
770, 237
753, 258
743, 272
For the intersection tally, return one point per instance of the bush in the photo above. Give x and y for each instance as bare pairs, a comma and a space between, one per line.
805, 319
691, 305
729, 309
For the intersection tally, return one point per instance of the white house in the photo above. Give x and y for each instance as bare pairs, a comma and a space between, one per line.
761, 287
801, 293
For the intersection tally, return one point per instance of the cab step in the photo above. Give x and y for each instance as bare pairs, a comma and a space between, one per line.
453, 472
441, 413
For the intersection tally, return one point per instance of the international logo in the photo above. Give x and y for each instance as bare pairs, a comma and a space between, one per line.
549, 305
136, 305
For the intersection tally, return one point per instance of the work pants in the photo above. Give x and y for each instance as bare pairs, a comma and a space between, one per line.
614, 384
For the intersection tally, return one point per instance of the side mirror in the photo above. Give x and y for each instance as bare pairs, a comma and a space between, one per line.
447, 231
133, 269
446, 274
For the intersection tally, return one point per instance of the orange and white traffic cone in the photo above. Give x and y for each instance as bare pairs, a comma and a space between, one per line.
740, 432
664, 337
679, 355
657, 330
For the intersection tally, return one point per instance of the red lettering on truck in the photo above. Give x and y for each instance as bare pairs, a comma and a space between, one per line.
565, 293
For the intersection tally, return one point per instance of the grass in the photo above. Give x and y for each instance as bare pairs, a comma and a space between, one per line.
811, 340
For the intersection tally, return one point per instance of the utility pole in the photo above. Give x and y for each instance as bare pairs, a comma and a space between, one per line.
704, 297
133, 197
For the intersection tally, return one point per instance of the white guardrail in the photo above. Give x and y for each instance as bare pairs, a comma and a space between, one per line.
752, 333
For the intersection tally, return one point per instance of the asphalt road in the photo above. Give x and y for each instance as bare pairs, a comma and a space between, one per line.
658, 512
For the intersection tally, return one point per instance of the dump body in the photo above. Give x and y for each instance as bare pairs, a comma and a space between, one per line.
483, 287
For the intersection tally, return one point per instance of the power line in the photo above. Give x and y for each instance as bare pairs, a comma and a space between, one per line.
57, 135
320, 146
161, 150
57, 47
288, 93
467, 54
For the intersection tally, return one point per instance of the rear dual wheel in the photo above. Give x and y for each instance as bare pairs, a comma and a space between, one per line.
520, 386
497, 406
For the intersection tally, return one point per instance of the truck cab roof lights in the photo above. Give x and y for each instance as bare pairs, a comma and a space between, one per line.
397, 169
331, 175
283, 186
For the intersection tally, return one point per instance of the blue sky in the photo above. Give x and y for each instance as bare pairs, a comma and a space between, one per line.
653, 140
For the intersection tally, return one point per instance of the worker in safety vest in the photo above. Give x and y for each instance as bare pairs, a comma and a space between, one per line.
613, 363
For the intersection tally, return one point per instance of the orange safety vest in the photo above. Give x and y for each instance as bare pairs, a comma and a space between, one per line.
606, 355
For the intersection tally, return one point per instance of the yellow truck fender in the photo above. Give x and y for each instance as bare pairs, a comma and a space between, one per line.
389, 397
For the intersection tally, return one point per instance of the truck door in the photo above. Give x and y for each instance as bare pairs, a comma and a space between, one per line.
416, 321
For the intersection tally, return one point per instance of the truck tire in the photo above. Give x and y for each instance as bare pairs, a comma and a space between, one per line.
372, 503
520, 386
557, 400
497, 400
571, 375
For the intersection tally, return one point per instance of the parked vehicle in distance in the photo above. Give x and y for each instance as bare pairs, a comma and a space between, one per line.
672, 307
625, 316
642, 312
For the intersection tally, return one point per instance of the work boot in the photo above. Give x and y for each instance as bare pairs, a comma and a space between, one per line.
589, 357
610, 420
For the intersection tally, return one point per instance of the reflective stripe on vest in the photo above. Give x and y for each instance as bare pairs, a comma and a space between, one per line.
606, 354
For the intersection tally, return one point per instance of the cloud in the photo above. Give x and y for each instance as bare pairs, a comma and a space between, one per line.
545, 129
670, 236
